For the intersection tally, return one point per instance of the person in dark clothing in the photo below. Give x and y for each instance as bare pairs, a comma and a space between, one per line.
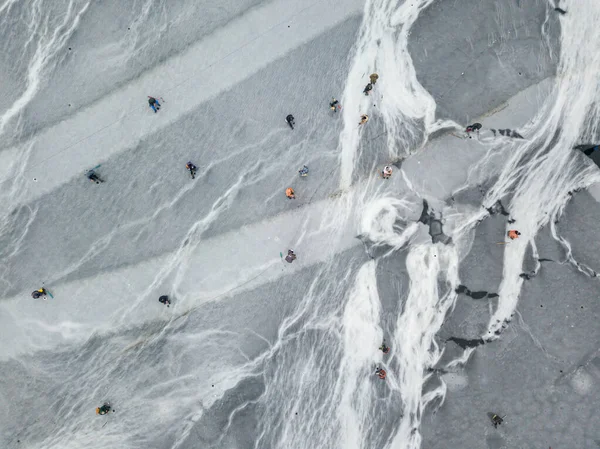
334, 105
303, 171
154, 104
475, 127
290, 120
496, 420
92, 176
164, 299
290, 256
383, 348
42, 292
104, 409
192, 169
368, 89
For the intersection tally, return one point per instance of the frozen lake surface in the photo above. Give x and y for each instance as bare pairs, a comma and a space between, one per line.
255, 352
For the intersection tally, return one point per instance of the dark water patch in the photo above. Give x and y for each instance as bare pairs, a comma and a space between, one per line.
463, 289
466, 343
507, 133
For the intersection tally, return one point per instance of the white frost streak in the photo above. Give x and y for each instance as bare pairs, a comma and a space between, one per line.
383, 47
536, 177
426, 306
49, 43
542, 171
361, 334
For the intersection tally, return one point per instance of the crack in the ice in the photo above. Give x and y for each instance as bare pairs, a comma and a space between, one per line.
466, 343
436, 230
475, 295
507, 132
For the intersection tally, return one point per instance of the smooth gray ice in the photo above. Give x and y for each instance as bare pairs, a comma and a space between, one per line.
255, 352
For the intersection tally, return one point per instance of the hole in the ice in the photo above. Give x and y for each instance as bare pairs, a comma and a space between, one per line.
69, 48
35, 179
541, 305
213, 385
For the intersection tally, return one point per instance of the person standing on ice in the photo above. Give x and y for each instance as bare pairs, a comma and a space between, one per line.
42, 292
374, 77
154, 104
289, 192
104, 409
513, 234
475, 127
381, 373
92, 176
383, 348
290, 256
334, 105
303, 171
496, 420
363, 119
368, 89
192, 169
386, 173
290, 120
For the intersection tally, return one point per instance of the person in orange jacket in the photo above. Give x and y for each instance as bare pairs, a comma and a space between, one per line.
513, 234
381, 373
289, 192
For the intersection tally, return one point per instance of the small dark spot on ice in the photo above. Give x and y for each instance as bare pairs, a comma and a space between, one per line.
541, 305
213, 385
69, 104
296, 413
35, 179
288, 27
69, 48
128, 28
